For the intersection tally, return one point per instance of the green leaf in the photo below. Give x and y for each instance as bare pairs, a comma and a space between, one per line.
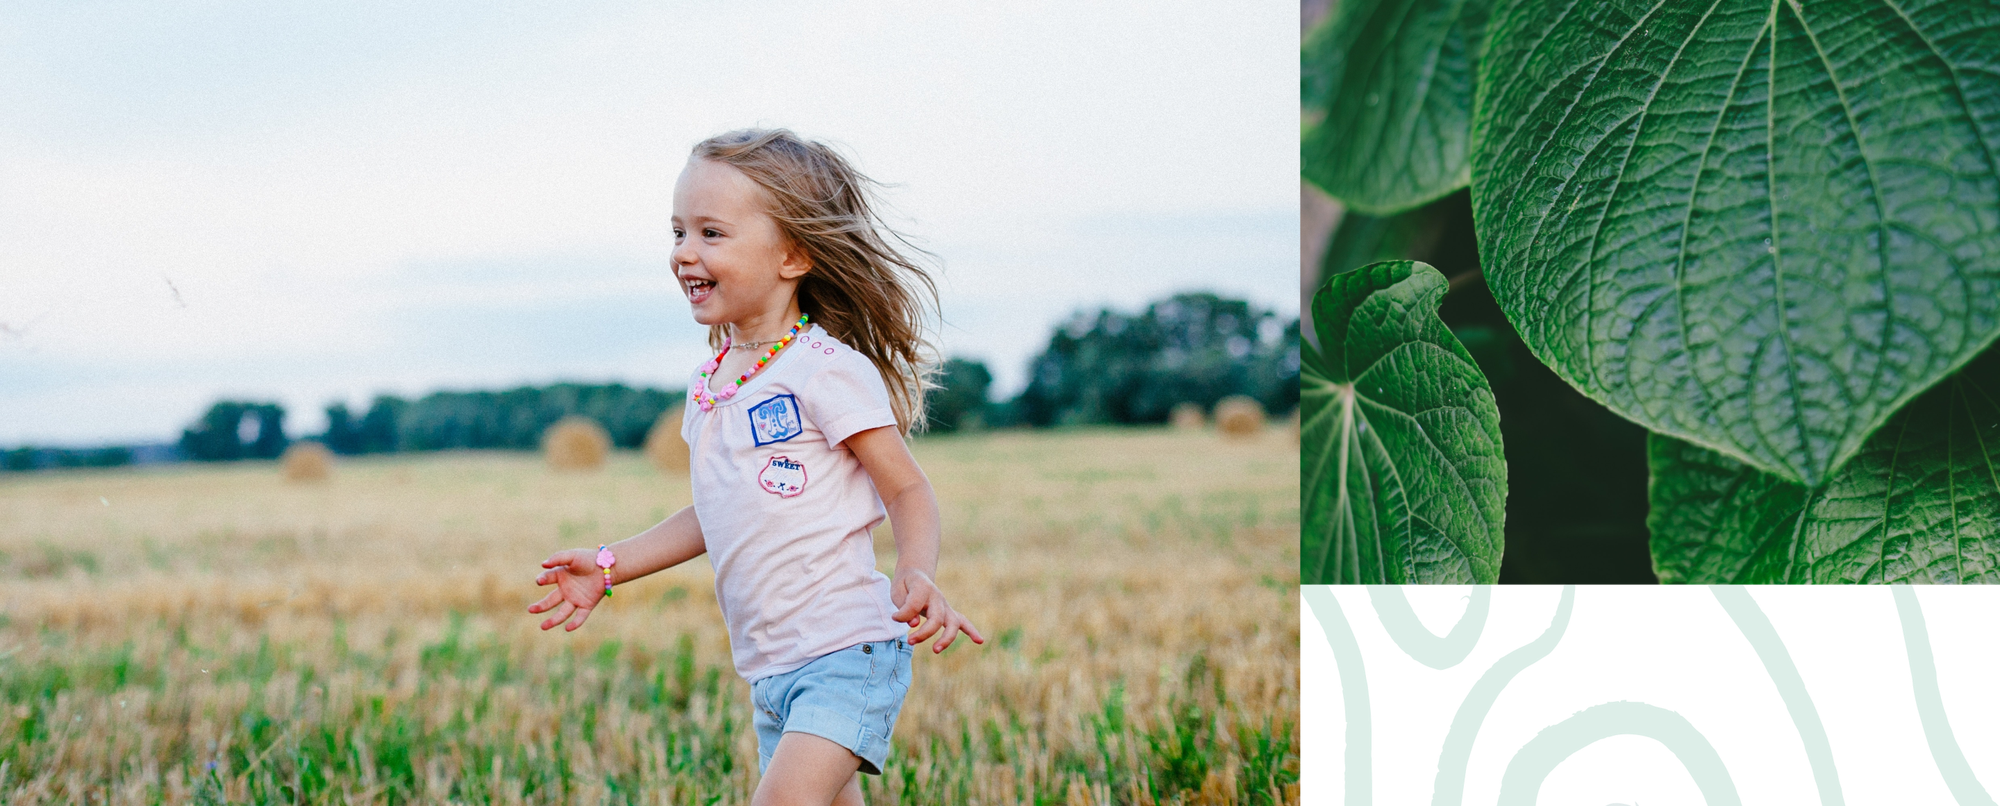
1762, 226
1404, 480
1391, 82
1919, 503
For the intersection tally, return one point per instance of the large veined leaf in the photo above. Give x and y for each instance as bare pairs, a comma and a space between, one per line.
1403, 477
1762, 226
1391, 82
1919, 503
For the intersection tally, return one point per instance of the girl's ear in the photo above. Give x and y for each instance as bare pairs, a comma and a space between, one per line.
796, 264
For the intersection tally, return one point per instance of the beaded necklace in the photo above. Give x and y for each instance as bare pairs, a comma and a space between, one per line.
707, 399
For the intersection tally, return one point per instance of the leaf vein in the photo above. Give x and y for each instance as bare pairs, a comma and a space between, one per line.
1528, 173
1777, 249
1625, 163
1464, 484
1881, 215
1687, 223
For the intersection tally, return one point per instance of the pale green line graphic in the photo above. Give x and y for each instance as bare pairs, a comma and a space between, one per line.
1353, 690
1763, 637
1950, 760
1522, 782
1417, 641
1450, 787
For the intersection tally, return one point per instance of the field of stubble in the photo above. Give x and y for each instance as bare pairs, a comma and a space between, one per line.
213, 634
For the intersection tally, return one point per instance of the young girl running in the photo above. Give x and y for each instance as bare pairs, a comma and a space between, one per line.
796, 432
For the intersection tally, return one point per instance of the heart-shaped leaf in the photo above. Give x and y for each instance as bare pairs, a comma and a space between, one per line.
1403, 477
1391, 83
1919, 503
1761, 226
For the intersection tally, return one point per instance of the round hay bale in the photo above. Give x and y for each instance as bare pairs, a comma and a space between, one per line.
576, 443
306, 461
1239, 416
664, 445
1188, 417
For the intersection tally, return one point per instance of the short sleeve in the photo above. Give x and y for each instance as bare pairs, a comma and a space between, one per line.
688, 408
847, 397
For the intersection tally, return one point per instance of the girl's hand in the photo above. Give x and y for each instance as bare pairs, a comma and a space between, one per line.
921, 605
579, 585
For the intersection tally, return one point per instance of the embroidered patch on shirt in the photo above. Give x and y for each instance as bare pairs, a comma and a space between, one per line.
775, 420
783, 477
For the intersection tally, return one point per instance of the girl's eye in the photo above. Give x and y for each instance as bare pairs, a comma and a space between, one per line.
679, 233
709, 233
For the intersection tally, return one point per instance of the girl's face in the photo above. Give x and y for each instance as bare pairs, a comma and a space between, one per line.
733, 262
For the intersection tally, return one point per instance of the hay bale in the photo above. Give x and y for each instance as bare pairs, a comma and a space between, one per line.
664, 445
1188, 417
576, 443
306, 461
1239, 416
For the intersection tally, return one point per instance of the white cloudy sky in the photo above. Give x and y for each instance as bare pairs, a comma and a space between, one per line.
322, 201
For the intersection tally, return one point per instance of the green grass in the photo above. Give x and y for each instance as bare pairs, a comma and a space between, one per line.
338, 723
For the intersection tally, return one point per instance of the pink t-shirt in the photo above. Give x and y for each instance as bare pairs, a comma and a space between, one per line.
787, 510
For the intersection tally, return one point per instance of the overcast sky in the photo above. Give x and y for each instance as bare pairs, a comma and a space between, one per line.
316, 202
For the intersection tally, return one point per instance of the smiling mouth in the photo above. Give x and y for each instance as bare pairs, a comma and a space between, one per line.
698, 290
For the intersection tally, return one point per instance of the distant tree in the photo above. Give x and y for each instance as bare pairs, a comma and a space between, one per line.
271, 440
114, 456
28, 457
959, 399
379, 432
512, 419
234, 430
1113, 367
343, 431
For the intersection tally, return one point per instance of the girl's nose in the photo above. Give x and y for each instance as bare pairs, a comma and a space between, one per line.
682, 255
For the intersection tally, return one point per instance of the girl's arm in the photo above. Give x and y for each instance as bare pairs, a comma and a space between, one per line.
913, 512
580, 583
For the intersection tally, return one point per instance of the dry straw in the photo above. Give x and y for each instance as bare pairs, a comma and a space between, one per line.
1188, 417
306, 461
1239, 416
576, 443
664, 446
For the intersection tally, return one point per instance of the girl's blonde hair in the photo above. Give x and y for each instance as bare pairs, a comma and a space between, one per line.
862, 289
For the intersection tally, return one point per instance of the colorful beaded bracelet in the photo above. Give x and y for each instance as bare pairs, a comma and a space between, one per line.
605, 560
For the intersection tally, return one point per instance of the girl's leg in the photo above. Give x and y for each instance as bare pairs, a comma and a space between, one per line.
850, 795
808, 770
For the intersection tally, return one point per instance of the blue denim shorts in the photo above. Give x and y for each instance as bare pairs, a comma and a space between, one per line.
849, 697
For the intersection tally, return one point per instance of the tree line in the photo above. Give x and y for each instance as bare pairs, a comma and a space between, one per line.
1103, 367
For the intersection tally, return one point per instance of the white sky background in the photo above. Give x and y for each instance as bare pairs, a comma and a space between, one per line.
316, 202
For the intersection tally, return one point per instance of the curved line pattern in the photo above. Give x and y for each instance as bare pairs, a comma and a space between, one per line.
1763, 638
1539, 757
1353, 690
1950, 759
1416, 640
1450, 787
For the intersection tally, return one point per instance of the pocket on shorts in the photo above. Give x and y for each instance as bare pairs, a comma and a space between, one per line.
902, 668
